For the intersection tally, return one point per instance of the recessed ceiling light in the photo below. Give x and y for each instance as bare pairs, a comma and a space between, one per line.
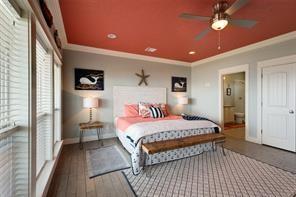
112, 36
191, 52
150, 49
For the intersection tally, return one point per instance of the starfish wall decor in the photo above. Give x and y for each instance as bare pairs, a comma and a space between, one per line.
143, 78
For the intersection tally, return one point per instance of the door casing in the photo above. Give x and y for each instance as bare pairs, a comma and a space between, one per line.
236, 69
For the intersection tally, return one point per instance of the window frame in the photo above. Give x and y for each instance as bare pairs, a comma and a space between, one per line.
47, 114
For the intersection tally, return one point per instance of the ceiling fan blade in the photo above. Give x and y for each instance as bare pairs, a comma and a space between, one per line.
243, 23
191, 16
238, 4
202, 34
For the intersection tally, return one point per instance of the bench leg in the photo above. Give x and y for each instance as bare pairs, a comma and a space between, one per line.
214, 146
144, 163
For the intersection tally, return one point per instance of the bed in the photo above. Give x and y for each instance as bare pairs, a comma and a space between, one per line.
133, 131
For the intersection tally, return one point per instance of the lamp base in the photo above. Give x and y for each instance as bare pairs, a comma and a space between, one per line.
90, 115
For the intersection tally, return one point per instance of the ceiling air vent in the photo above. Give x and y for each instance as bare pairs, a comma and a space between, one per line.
150, 49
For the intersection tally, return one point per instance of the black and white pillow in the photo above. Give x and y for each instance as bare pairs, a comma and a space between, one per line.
156, 112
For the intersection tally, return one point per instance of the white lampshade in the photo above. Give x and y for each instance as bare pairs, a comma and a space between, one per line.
183, 100
91, 102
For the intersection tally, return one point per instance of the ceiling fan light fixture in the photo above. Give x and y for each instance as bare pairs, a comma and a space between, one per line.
219, 21
219, 24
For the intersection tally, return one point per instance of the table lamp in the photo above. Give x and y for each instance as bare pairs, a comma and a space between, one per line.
90, 103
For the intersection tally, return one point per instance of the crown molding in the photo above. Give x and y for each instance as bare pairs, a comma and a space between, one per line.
55, 9
75, 47
264, 43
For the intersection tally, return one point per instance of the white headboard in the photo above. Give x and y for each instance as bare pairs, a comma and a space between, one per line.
131, 95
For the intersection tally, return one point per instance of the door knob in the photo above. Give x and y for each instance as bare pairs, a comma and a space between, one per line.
291, 111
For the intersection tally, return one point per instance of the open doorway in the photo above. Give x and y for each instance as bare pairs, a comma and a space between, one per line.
234, 101
234, 105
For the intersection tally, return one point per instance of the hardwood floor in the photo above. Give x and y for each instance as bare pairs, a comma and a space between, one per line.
237, 133
71, 179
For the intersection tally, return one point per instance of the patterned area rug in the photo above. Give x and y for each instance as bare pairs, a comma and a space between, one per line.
212, 174
104, 160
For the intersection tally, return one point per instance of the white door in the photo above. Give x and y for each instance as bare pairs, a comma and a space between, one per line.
278, 113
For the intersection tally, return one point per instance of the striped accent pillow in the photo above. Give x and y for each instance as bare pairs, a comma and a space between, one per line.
156, 112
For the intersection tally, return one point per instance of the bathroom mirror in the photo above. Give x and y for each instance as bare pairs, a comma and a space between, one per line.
228, 91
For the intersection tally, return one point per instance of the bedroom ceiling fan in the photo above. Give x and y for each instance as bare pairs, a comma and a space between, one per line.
221, 17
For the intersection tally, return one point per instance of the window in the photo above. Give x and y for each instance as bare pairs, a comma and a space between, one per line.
17, 108
44, 106
9, 72
14, 151
57, 103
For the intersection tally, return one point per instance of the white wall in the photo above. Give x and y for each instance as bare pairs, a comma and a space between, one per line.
202, 83
204, 87
118, 72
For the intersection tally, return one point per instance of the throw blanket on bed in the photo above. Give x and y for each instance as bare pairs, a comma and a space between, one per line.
191, 117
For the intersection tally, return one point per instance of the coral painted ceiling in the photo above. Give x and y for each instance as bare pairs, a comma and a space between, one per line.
156, 23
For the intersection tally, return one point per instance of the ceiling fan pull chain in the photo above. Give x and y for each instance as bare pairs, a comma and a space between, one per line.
219, 40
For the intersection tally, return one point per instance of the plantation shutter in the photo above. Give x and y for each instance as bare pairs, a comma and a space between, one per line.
44, 106
57, 102
14, 155
6, 166
9, 73
8, 96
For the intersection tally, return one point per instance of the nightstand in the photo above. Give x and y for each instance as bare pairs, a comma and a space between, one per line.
89, 126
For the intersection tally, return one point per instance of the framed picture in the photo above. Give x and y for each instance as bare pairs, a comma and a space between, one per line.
179, 84
228, 91
86, 79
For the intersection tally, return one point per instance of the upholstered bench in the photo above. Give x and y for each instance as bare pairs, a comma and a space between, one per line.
166, 145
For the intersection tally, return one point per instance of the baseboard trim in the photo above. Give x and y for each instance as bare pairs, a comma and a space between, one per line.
254, 140
88, 138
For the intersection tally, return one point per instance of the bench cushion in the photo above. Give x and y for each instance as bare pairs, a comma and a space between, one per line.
161, 146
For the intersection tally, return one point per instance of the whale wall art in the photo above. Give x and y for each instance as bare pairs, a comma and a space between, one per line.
86, 79
179, 84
